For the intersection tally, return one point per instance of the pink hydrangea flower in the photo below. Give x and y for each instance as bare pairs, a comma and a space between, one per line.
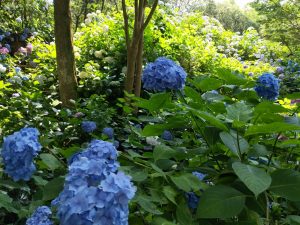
4, 51
29, 48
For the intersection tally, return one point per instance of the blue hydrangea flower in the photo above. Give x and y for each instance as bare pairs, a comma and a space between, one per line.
167, 135
18, 152
193, 200
94, 191
267, 86
201, 176
40, 217
88, 126
109, 132
163, 74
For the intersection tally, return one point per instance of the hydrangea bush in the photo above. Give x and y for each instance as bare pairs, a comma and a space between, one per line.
221, 127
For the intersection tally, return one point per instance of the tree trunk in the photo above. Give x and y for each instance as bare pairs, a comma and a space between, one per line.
64, 52
135, 44
139, 68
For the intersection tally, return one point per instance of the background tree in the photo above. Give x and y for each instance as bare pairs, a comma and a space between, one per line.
64, 52
134, 43
280, 21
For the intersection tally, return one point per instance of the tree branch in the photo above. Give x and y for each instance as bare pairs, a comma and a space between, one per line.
126, 27
150, 15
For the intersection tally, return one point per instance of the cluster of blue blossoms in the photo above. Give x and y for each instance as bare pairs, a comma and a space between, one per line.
192, 198
167, 135
109, 132
40, 217
94, 191
267, 87
163, 74
88, 126
18, 152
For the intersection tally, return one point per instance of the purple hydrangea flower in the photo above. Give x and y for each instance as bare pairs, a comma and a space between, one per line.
88, 126
40, 217
267, 86
279, 70
4, 51
163, 74
18, 152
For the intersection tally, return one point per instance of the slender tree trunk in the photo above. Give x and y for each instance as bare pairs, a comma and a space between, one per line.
135, 44
64, 52
139, 68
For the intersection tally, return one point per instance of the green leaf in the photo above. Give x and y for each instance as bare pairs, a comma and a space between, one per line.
161, 221
220, 202
170, 193
158, 129
138, 176
50, 161
256, 179
7, 203
207, 83
164, 152
191, 93
293, 220
146, 203
39, 181
230, 140
156, 102
210, 119
269, 107
230, 78
276, 127
187, 182
239, 112
286, 183
157, 169
183, 214
53, 188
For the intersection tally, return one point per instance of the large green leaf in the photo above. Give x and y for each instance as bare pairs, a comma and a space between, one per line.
50, 161
230, 140
286, 183
183, 214
239, 112
187, 182
207, 83
165, 152
256, 179
210, 119
220, 202
53, 188
293, 220
276, 127
158, 129
230, 78
156, 102
6, 202
161, 221
269, 107
170, 193
147, 204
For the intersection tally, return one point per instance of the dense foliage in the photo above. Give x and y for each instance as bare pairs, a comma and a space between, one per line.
214, 139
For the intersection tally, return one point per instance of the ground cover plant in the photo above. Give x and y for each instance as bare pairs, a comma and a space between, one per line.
213, 138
